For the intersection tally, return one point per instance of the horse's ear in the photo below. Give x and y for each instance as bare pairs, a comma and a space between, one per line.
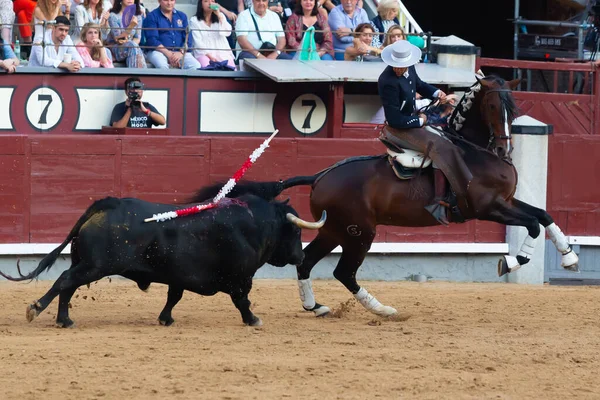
485, 83
514, 83
286, 201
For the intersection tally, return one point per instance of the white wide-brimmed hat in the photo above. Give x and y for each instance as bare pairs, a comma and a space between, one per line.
401, 54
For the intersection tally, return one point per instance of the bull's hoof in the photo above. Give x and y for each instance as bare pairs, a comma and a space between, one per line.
255, 321
32, 311
166, 321
507, 264
65, 323
319, 310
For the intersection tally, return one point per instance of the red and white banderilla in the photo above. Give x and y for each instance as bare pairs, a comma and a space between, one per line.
225, 190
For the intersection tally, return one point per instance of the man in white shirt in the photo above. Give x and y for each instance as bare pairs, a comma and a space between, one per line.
270, 34
59, 51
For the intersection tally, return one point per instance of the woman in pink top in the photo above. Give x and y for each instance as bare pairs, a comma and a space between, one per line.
91, 49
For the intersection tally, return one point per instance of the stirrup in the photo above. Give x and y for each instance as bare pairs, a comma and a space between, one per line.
439, 212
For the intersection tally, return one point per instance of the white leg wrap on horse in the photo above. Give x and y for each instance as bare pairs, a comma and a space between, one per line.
569, 259
306, 293
558, 238
372, 304
527, 248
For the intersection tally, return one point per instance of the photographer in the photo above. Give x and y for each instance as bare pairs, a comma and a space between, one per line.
133, 113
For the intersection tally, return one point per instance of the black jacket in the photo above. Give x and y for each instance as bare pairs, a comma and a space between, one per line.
398, 95
378, 23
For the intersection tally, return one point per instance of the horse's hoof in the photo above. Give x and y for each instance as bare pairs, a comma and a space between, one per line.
570, 261
573, 268
319, 310
385, 311
32, 311
507, 264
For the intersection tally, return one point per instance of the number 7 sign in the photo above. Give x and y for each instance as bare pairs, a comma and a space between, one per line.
44, 108
308, 114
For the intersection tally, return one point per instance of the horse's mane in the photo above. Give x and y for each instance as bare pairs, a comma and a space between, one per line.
506, 98
264, 190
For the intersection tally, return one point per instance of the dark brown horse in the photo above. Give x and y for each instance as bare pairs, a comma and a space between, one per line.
363, 192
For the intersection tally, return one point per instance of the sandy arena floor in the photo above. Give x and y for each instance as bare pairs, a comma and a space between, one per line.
477, 341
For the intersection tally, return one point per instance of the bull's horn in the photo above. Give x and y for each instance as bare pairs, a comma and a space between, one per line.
300, 223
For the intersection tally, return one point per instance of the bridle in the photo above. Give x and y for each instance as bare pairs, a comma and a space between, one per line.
506, 135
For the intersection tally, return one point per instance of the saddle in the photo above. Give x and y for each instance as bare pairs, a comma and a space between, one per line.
408, 163
405, 161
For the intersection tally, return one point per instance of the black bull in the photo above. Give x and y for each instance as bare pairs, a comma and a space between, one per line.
217, 250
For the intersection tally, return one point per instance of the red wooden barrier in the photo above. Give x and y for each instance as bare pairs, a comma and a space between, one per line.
47, 181
573, 161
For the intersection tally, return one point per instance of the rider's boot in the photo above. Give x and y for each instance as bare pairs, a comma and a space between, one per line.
439, 208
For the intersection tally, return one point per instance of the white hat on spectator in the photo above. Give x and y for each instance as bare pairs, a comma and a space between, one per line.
401, 54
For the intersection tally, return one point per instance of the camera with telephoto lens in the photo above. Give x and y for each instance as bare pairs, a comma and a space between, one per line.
132, 94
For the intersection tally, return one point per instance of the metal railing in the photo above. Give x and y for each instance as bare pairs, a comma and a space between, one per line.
188, 31
407, 21
551, 77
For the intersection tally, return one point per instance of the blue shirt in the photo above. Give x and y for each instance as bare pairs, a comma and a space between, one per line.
339, 19
8, 52
157, 30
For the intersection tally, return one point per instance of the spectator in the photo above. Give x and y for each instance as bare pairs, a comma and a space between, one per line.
24, 13
281, 8
134, 113
361, 49
7, 19
8, 59
59, 51
47, 10
165, 34
91, 11
231, 9
343, 20
124, 41
307, 13
331, 4
394, 33
387, 15
91, 49
259, 33
209, 34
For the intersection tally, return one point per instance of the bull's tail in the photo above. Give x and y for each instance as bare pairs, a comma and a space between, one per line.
47, 262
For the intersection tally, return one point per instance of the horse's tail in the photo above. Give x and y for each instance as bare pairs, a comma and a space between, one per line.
300, 181
50, 259
265, 190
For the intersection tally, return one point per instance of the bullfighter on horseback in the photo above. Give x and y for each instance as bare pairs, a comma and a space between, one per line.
398, 86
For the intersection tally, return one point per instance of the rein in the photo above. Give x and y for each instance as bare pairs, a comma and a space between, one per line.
506, 136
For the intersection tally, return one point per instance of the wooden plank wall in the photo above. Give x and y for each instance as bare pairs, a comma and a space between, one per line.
47, 181
573, 158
